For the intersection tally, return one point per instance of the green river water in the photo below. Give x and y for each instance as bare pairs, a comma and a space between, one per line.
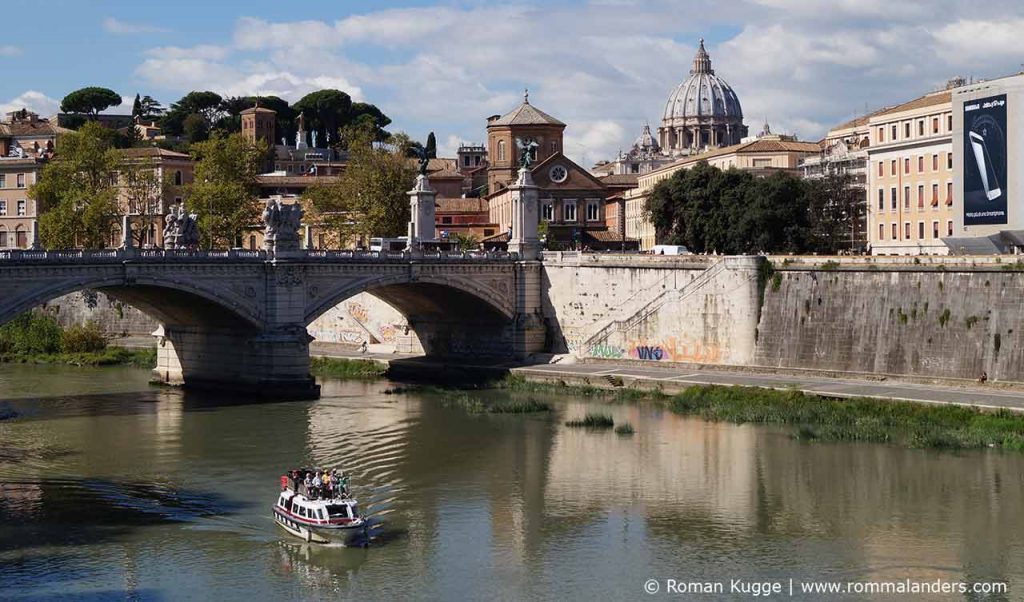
111, 489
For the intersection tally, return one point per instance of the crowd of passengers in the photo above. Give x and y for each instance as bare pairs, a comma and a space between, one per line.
319, 484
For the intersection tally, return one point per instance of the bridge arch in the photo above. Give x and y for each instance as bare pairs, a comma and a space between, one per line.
449, 315
170, 301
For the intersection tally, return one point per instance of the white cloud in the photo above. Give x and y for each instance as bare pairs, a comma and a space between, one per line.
8, 50
33, 101
606, 68
117, 26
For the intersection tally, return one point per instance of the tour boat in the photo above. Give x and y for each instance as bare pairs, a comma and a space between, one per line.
319, 519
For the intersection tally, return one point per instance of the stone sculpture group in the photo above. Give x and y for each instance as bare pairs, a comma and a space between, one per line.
181, 230
282, 223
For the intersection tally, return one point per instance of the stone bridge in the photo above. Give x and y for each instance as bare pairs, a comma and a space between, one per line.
237, 319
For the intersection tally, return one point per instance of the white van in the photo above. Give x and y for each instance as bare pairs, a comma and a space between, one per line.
389, 244
670, 250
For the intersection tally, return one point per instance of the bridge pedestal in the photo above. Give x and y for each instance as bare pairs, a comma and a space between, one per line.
264, 365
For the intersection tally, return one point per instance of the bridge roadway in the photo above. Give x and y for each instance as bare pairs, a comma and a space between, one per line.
236, 320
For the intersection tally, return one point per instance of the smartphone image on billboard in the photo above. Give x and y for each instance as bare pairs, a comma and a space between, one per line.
986, 170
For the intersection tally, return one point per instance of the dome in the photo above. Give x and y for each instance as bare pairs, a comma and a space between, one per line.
703, 95
646, 141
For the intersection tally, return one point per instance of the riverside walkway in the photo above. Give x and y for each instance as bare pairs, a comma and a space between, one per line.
674, 378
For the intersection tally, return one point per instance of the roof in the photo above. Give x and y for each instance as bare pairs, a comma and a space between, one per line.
460, 205
32, 128
153, 152
526, 114
267, 180
859, 121
623, 179
928, 100
258, 110
761, 145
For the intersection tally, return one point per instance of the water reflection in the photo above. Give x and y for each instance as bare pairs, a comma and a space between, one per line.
168, 495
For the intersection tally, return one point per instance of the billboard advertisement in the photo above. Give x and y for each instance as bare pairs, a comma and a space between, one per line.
984, 155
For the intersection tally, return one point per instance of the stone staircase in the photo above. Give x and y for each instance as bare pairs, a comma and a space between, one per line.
639, 315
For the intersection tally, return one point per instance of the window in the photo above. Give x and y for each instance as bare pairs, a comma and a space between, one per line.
949, 160
881, 134
177, 178
892, 197
906, 230
881, 231
465, 160
935, 162
488, 231
881, 199
949, 194
935, 125
935, 195
554, 146
949, 228
949, 123
3, 237
920, 164
920, 196
892, 167
593, 211
320, 242
569, 211
920, 230
21, 208
894, 233
548, 211
3, 207
20, 237
252, 242
501, 150
920, 128
935, 229
906, 130
177, 200
3, 181
906, 165
446, 219
881, 168
906, 197
21, 180
892, 131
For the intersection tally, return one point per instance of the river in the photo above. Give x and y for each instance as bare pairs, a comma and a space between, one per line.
112, 489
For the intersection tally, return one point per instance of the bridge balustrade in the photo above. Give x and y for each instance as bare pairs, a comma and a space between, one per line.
117, 255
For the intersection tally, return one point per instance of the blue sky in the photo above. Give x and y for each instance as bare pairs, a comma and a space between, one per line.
602, 66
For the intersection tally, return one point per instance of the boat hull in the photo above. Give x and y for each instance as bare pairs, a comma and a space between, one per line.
340, 534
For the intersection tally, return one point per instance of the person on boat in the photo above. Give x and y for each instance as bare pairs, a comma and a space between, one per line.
343, 485
328, 485
317, 485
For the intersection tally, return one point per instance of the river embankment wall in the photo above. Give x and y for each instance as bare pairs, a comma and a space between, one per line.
949, 317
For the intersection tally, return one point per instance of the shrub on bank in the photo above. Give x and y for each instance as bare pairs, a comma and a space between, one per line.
31, 333
87, 338
593, 421
344, 368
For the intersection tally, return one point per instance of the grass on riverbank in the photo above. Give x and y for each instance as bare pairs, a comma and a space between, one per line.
474, 405
856, 419
111, 356
334, 367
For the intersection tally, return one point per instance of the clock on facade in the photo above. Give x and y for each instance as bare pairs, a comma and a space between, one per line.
558, 174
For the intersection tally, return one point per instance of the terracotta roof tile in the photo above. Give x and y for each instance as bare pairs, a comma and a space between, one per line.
928, 100
526, 114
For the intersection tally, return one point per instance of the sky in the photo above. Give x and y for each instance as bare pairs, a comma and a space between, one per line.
604, 67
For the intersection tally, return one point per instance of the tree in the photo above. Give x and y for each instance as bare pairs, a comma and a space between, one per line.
837, 211
365, 114
143, 190
325, 110
732, 211
137, 107
90, 101
431, 146
195, 128
224, 191
369, 198
465, 242
77, 190
149, 108
207, 104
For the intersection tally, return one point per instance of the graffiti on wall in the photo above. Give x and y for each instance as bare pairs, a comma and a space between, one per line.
670, 349
358, 311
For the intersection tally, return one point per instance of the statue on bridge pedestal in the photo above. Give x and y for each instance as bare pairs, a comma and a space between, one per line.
181, 229
282, 223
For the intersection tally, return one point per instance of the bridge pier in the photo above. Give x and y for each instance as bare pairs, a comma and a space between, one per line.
267, 364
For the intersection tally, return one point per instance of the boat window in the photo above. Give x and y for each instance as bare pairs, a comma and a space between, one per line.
337, 511
302, 512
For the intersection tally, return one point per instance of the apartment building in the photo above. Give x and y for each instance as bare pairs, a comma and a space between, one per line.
911, 202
